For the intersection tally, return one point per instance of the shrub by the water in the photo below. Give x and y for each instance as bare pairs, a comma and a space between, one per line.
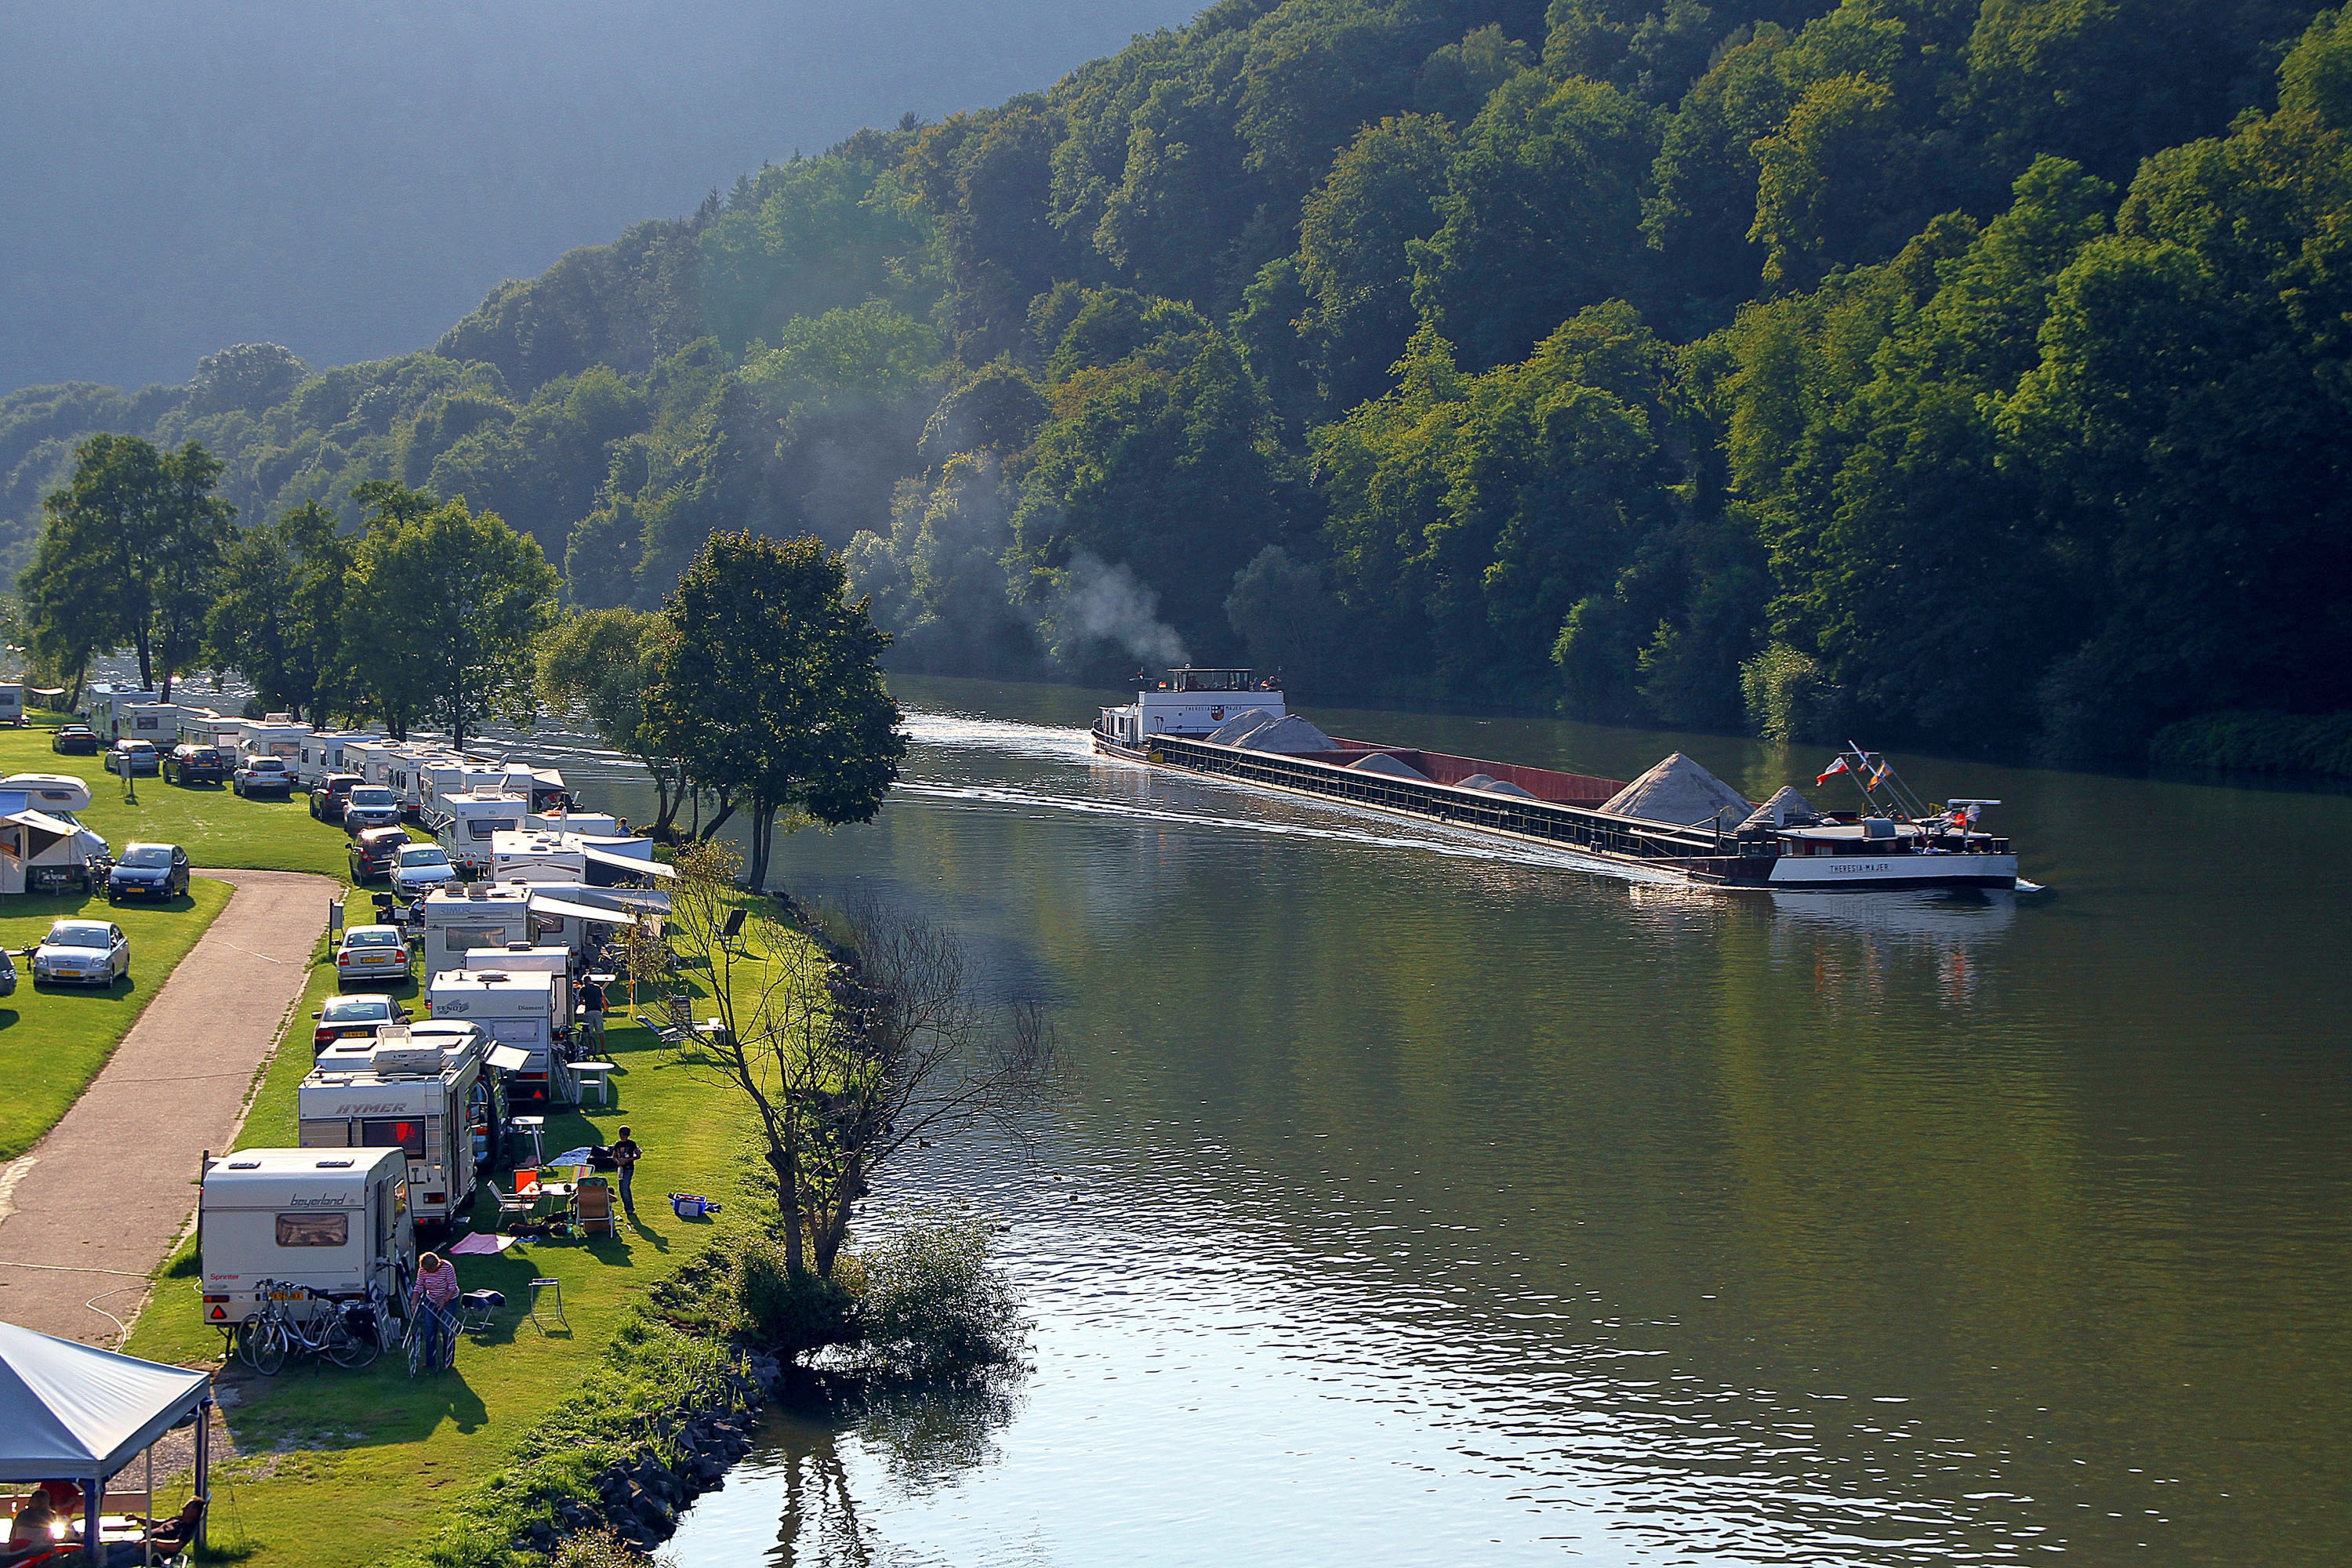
602, 1549
934, 1306
794, 1317
1787, 697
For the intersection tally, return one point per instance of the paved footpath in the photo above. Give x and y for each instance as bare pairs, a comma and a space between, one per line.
90, 1212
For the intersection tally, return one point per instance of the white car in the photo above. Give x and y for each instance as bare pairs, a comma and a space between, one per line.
372, 953
82, 952
420, 868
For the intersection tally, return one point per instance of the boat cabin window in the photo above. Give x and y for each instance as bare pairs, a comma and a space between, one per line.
313, 1229
1209, 680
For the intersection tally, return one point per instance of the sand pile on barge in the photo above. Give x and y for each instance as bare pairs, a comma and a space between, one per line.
1494, 785
1381, 762
1782, 809
1240, 727
1292, 737
1680, 792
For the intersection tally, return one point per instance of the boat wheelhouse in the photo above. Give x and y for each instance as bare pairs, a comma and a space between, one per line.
1677, 818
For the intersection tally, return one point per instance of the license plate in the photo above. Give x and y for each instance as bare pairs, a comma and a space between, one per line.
282, 1295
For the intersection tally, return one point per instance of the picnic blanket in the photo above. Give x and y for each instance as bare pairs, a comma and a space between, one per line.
481, 1244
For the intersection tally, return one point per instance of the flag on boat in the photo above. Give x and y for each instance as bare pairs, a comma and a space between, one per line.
1830, 772
1879, 777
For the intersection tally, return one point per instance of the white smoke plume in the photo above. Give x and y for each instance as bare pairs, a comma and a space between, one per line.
1107, 604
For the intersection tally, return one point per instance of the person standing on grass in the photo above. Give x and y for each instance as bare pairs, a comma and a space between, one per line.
436, 1297
626, 1155
592, 1013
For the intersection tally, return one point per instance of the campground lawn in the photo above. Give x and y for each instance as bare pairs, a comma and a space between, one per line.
214, 825
382, 1456
54, 1038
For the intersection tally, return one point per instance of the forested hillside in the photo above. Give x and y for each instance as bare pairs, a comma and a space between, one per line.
1967, 375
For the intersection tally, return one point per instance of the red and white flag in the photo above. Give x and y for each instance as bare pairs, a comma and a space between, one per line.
1830, 772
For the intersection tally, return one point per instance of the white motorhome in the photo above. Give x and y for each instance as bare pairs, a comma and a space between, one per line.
471, 822
42, 847
12, 701
459, 919
276, 736
529, 1009
109, 707
427, 1089
322, 754
588, 824
446, 776
57, 793
335, 1220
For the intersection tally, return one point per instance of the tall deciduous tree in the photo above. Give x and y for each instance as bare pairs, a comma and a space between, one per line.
769, 690
444, 610
131, 554
603, 662
279, 618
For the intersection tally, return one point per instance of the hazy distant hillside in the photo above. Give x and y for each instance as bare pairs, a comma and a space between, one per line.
1950, 372
348, 180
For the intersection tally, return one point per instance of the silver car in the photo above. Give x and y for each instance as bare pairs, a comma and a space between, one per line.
82, 952
369, 805
420, 868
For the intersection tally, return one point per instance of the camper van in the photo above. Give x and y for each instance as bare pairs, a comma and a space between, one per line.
426, 1090
12, 703
446, 776
335, 1220
108, 708
472, 820
459, 919
529, 1009
57, 793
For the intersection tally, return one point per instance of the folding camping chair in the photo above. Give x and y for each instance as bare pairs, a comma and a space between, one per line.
511, 1205
592, 1202
730, 934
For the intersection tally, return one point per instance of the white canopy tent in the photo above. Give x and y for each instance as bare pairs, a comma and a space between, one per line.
71, 1412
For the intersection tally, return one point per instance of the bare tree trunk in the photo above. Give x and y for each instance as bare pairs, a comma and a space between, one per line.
726, 809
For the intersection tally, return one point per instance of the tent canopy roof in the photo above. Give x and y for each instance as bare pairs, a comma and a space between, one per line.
73, 1412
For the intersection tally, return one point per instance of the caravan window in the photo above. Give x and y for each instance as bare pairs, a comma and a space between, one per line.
313, 1229
463, 939
515, 1031
394, 1132
483, 826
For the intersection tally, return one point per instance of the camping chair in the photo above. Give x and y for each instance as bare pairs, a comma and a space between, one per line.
511, 1205
730, 934
591, 1202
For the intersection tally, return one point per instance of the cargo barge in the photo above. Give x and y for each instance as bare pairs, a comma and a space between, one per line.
1677, 818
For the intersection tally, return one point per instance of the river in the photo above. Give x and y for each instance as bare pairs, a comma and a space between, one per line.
1423, 1200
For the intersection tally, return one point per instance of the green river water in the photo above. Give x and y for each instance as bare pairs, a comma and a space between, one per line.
1428, 1200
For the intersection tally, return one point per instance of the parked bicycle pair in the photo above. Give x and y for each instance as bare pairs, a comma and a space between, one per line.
348, 1332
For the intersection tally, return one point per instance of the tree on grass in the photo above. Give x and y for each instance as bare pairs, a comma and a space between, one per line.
769, 691
444, 609
603, 662
277, 619
850, 1060
130, 555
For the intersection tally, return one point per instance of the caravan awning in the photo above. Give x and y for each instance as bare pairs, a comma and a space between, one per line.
540, 904
45, 821
73, 1411
630, 863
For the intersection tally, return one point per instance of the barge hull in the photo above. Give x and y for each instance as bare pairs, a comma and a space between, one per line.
1702, 858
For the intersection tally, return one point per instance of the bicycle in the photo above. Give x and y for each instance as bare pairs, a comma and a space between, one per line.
273, 1333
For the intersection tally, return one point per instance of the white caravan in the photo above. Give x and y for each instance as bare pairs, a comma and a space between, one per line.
459, 919
426, 1090
322, 754
12, 701
335, 1220
470, 823
276, 736
528, 1009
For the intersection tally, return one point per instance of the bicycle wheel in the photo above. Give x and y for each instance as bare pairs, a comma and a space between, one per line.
346, 1349
270, 1345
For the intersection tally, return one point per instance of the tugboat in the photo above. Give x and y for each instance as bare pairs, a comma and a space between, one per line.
1676, 819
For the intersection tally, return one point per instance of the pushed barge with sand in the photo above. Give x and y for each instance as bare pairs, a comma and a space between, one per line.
1676, 819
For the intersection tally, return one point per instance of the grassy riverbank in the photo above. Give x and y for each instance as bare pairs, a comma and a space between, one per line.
54, 1038
393, 1461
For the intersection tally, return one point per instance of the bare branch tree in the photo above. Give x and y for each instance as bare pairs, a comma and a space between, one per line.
851, 1046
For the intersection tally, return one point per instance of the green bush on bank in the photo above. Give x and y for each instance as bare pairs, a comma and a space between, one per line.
2257, 742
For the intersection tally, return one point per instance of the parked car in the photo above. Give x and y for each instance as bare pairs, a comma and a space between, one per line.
7, 973
82, 952
74, 740
327, 796
347, 1017
420, 868
193, 764
157, 870
372, 953
130, 758
369, 805
263, 775
374, 853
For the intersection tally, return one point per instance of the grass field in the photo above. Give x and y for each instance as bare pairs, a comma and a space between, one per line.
54, 1038
380, 1454
211, 825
